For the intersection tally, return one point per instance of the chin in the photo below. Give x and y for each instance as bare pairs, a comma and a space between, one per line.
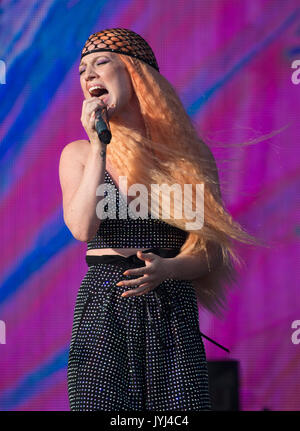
111, 110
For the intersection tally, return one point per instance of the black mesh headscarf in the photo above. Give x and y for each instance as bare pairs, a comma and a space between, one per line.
122, 41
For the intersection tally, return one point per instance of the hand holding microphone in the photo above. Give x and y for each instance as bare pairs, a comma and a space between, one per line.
94, 119
102, 125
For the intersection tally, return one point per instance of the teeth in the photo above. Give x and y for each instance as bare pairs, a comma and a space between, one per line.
94, 88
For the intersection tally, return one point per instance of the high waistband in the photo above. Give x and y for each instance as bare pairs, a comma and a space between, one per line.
132, 259
134, 262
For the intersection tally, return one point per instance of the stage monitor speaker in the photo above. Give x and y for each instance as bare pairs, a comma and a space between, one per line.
224, 385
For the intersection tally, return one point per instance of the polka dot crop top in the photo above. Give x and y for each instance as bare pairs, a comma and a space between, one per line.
133, 233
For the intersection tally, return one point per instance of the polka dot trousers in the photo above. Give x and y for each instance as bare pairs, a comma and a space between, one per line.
137, 353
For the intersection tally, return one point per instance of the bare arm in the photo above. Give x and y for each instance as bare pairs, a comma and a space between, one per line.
79, 183
185, 267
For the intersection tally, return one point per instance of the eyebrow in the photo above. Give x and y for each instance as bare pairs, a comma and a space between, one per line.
83, 62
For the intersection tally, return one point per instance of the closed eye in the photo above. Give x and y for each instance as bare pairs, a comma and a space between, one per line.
102, 62
98, 62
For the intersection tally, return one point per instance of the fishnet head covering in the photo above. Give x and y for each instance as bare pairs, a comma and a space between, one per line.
122, 41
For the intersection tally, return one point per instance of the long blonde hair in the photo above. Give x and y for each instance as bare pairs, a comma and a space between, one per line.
172, 152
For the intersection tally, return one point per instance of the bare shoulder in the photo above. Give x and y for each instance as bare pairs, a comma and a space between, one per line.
76, 150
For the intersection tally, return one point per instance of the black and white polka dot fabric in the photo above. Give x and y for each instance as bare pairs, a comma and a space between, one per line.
136, 353
129, 232
141, 352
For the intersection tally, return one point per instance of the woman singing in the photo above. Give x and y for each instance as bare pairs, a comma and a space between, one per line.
136, 343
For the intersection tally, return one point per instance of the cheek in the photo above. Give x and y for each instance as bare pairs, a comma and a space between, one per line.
124, 84
120, 85
84, 91
127, 88
123, 92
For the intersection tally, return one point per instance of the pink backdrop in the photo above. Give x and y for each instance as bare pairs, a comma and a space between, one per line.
231, 64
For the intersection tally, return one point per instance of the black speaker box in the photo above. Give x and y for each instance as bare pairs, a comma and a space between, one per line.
224, 385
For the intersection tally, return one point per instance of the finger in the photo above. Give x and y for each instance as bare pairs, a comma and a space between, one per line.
138, 271
134, 282
95, 101
92, 120
149, 289
145, 288
146, 256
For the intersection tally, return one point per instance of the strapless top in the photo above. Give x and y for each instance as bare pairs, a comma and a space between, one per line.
133, 232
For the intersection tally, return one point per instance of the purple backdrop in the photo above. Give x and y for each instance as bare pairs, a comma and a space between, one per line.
231, 62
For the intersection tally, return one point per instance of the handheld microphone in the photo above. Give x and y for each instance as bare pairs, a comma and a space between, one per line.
102, 126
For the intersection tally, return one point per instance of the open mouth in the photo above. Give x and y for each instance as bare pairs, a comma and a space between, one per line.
97, 91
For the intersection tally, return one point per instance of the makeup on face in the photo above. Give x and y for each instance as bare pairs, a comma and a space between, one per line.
104, 76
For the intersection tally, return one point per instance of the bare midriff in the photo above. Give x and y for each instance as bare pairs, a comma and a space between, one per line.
121, 251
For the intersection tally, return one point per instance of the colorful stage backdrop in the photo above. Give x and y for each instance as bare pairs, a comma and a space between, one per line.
231, 63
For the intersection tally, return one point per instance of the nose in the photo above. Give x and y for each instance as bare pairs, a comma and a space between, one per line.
90, 73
